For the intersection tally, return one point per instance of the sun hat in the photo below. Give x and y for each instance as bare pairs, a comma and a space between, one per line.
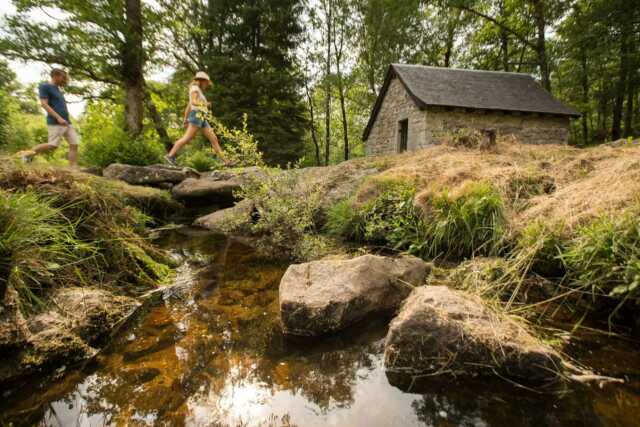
201, 75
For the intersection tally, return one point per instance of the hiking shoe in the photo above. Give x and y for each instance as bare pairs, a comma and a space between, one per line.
27, 157
171, 160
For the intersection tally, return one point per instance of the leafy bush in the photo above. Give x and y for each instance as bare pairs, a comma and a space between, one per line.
286, 208
240, 146
604, 257
198, 158
104, 140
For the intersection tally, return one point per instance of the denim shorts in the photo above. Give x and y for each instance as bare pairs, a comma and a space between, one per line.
198, 121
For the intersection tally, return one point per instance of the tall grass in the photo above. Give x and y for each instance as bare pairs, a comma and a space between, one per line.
604, 258
38, 244
452, 225
69, 231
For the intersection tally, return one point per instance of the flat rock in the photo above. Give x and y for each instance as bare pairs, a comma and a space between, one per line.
154, 175
440, 330
207, 190
92, 312
219, 220
321, 297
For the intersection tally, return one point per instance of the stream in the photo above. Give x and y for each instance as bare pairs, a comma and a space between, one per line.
211, 354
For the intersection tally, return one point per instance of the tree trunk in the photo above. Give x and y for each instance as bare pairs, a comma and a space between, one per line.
314, 136
585, 94
133, 67
345, 126
327, 105
504, 40
628, 117
621, 84
541, 49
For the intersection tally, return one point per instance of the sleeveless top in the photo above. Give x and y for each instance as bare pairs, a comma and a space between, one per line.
201, 103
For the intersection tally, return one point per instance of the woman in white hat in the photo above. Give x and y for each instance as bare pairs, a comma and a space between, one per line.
195, 118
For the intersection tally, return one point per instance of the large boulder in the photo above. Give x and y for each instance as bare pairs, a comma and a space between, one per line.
321, 297
219, 221
155, 175
440, 330
207, 190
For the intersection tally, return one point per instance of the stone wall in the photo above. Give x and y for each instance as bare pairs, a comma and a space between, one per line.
397, 105
430, 126
527, 128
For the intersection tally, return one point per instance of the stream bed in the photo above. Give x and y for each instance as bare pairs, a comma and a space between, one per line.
211, 354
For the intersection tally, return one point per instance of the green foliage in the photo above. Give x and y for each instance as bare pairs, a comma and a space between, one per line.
38, 245
604, 257
469, 222
71, 231
104, 140
456, 225
5, 129
257, 76
198, 158
286, 208
240, 146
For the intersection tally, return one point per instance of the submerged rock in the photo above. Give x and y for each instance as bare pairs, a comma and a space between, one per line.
325, 296
207, 190
92, 312
440, 330
65, 334
219, 220
155, 175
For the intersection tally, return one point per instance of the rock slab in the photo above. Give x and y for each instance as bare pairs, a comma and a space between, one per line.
325, 296
211, 191
155, 175
440, 330
219, 220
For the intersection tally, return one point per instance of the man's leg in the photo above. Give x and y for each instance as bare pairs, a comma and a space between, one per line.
54, 135
73, 140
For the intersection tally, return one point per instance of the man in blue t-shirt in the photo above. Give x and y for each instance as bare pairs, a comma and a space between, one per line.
58, 121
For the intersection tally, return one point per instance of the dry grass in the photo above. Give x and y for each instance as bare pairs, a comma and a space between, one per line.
586, 182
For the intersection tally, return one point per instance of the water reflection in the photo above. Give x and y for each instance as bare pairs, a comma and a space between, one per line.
212, 354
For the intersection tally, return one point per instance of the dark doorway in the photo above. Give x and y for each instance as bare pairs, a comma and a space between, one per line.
403, 135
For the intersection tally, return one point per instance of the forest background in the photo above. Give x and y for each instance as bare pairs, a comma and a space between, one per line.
300, 77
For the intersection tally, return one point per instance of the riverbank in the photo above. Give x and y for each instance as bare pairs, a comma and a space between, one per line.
75, 263
520, 232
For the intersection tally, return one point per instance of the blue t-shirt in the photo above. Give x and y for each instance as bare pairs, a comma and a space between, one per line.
55, 99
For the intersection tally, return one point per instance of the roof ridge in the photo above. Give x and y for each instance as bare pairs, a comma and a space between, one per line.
469, 70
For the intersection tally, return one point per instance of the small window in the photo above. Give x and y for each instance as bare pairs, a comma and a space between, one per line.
403, 135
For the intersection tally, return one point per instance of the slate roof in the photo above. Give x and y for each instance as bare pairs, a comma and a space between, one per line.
485, 90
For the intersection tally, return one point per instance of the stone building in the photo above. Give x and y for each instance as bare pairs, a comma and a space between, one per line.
419, 105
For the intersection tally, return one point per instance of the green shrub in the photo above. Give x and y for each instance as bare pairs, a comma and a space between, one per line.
466, 223
604, 257
343, 220
198, 158
240, 145
286, 208
104, 140
470, 222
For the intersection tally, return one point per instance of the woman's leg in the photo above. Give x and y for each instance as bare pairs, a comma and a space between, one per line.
215, 144
188, 136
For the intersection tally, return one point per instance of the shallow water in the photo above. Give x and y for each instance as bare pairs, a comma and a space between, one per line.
211, 354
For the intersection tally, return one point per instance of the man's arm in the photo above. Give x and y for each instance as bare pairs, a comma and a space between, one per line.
45, 104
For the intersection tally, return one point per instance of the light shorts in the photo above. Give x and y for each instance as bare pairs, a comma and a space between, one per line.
56, 132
